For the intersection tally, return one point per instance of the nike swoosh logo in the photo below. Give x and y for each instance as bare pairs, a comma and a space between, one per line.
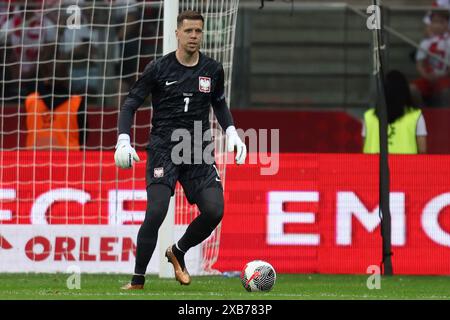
217, 179
170, 83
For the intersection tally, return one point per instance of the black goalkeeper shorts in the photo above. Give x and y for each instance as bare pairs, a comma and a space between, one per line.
193, 178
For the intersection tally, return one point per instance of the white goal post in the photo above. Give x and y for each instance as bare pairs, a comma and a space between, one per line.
166, 231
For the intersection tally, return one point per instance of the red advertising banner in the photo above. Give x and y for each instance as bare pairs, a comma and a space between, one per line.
69, 188
319, 213
315, 213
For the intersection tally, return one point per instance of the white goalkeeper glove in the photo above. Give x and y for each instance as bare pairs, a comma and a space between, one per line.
234, 142
125, 154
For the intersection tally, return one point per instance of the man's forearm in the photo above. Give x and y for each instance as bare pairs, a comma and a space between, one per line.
223, 114
131, 104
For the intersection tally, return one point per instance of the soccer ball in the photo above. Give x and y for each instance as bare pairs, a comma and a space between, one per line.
258, 275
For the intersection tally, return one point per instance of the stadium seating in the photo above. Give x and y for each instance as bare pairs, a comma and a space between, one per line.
295, 58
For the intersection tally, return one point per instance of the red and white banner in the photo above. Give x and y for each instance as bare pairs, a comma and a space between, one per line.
55, 248
92, 249
319, 213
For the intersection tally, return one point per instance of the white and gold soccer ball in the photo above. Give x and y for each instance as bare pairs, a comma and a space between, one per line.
258, 275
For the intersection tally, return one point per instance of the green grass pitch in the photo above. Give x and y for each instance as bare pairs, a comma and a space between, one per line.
287, 287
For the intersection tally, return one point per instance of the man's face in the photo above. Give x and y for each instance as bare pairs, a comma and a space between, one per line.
189, 35
439, 25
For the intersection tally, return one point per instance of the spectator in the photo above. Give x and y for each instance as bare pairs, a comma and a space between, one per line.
6, 53
126, 15
432, 88
406, 125
79, 48
55, 117
123, 8
129, 52
32, 37
6, 10
138, 34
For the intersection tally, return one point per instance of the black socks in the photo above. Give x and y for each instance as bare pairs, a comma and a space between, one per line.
138, 279
179, 255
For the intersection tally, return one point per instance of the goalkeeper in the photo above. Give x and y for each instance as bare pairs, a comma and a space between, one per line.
184, 84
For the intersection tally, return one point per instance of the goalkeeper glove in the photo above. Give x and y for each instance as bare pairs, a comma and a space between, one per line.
125, 154
234, 142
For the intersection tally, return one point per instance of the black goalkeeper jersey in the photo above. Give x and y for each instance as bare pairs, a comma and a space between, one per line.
181, 95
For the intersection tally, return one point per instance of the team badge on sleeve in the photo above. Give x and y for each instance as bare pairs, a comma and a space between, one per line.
204, 84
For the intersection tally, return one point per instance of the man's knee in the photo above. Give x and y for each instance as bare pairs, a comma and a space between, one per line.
155, 213
214, 212
211, 204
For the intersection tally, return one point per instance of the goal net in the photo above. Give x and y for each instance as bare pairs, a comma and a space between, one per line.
66, 66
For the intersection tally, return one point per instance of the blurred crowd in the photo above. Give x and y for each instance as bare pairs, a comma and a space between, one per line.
100, 48
59, 56
432, 87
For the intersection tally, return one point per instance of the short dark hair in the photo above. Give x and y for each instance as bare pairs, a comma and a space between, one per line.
189, 15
